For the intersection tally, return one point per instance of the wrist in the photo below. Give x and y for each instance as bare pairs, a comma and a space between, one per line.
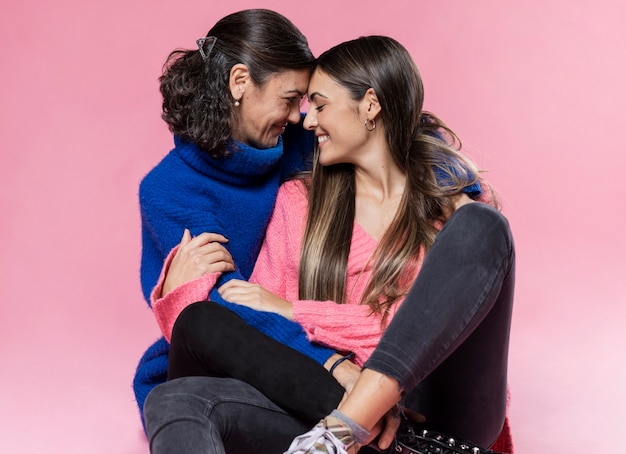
340, 360
331, 360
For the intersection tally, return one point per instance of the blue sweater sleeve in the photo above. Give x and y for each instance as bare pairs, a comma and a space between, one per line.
277, 327
167, 208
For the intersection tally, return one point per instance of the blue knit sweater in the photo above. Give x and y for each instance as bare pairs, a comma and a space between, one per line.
233, 196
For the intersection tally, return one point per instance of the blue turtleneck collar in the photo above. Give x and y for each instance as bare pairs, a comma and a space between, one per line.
244, 165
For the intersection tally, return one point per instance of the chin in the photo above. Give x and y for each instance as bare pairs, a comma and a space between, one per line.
326, 159
327, 162
271, 143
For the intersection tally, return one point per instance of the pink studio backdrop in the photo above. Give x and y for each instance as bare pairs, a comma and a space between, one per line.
535, 90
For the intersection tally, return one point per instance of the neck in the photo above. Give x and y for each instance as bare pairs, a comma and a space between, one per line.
379, 190
380, 178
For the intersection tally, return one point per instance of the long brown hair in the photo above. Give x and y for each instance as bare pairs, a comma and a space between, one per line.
421, 145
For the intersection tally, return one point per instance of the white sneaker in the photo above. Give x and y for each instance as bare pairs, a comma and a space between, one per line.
329, 436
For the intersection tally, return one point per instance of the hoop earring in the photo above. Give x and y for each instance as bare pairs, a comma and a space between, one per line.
371, 123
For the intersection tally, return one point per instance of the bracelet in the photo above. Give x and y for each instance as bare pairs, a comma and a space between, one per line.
341, 360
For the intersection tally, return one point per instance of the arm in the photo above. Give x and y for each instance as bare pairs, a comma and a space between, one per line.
348, 327
190, 271
169, 203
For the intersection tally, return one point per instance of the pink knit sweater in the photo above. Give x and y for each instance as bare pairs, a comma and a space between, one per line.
344, 327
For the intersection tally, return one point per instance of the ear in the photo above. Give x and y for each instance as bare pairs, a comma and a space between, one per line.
370, 103
239, 77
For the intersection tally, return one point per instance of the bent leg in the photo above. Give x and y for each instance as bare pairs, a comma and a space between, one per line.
210, 340
203, 415
448, 343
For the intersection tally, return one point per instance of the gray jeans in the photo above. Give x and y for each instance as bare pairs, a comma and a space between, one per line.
216, 415
448, 343
447, 346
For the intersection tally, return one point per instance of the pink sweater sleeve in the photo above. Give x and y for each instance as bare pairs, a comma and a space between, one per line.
345, 327
276, 268
167, 308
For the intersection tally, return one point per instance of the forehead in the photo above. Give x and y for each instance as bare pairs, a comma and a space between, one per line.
322, 85
291, 82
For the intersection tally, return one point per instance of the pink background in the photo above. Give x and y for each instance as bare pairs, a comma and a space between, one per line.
535, 90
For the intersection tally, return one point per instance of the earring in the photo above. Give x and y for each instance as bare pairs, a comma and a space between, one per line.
237, 103
370, 125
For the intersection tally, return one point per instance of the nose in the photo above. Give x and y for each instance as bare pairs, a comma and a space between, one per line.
294, 115
310, 121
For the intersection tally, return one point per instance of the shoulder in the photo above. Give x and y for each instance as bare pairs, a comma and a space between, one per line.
171, 164
294, 190
292, 197
172, 180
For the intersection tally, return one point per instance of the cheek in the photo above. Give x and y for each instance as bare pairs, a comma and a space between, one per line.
265, 114
280, 111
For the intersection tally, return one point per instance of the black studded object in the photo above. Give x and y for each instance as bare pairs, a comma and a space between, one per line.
415, 439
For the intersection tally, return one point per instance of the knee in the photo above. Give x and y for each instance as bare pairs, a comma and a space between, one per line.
484, 221
194, 314
204, 324
158, 408
172, 401
195, 318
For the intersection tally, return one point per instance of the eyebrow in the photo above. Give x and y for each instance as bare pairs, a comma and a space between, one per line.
314, 95
295, 90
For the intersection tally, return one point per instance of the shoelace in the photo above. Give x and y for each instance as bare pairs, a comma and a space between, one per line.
317, 440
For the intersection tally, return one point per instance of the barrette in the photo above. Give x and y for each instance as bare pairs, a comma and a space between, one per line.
205, 45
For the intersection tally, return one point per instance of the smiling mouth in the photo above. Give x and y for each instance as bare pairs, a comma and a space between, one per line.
322, 139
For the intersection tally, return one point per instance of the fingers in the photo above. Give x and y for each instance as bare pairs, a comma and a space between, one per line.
202, 254
205, 247
215, 261
392, 422
186, 237
206, 238
235, 283
240, 291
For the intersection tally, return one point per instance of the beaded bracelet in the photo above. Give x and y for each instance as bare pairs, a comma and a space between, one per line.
341, 360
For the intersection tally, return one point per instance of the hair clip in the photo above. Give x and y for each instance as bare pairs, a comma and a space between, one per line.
201, 42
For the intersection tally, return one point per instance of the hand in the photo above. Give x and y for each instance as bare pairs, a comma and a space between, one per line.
392, 422
255, 297
196, 257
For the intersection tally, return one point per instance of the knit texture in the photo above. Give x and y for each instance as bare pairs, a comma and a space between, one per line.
232, 196
346, 327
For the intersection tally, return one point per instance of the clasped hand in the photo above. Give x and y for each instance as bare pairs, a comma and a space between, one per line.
195, 257
256, 297
206, 254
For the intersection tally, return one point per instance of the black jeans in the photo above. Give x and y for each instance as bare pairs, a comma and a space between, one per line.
447, 346
210, 340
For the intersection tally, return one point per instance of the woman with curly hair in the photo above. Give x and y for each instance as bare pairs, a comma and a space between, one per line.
233, 106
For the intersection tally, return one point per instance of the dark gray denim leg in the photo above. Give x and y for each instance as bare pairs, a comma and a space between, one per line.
448, 343
216, 415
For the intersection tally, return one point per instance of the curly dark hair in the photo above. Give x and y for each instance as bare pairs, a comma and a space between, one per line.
197, 104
